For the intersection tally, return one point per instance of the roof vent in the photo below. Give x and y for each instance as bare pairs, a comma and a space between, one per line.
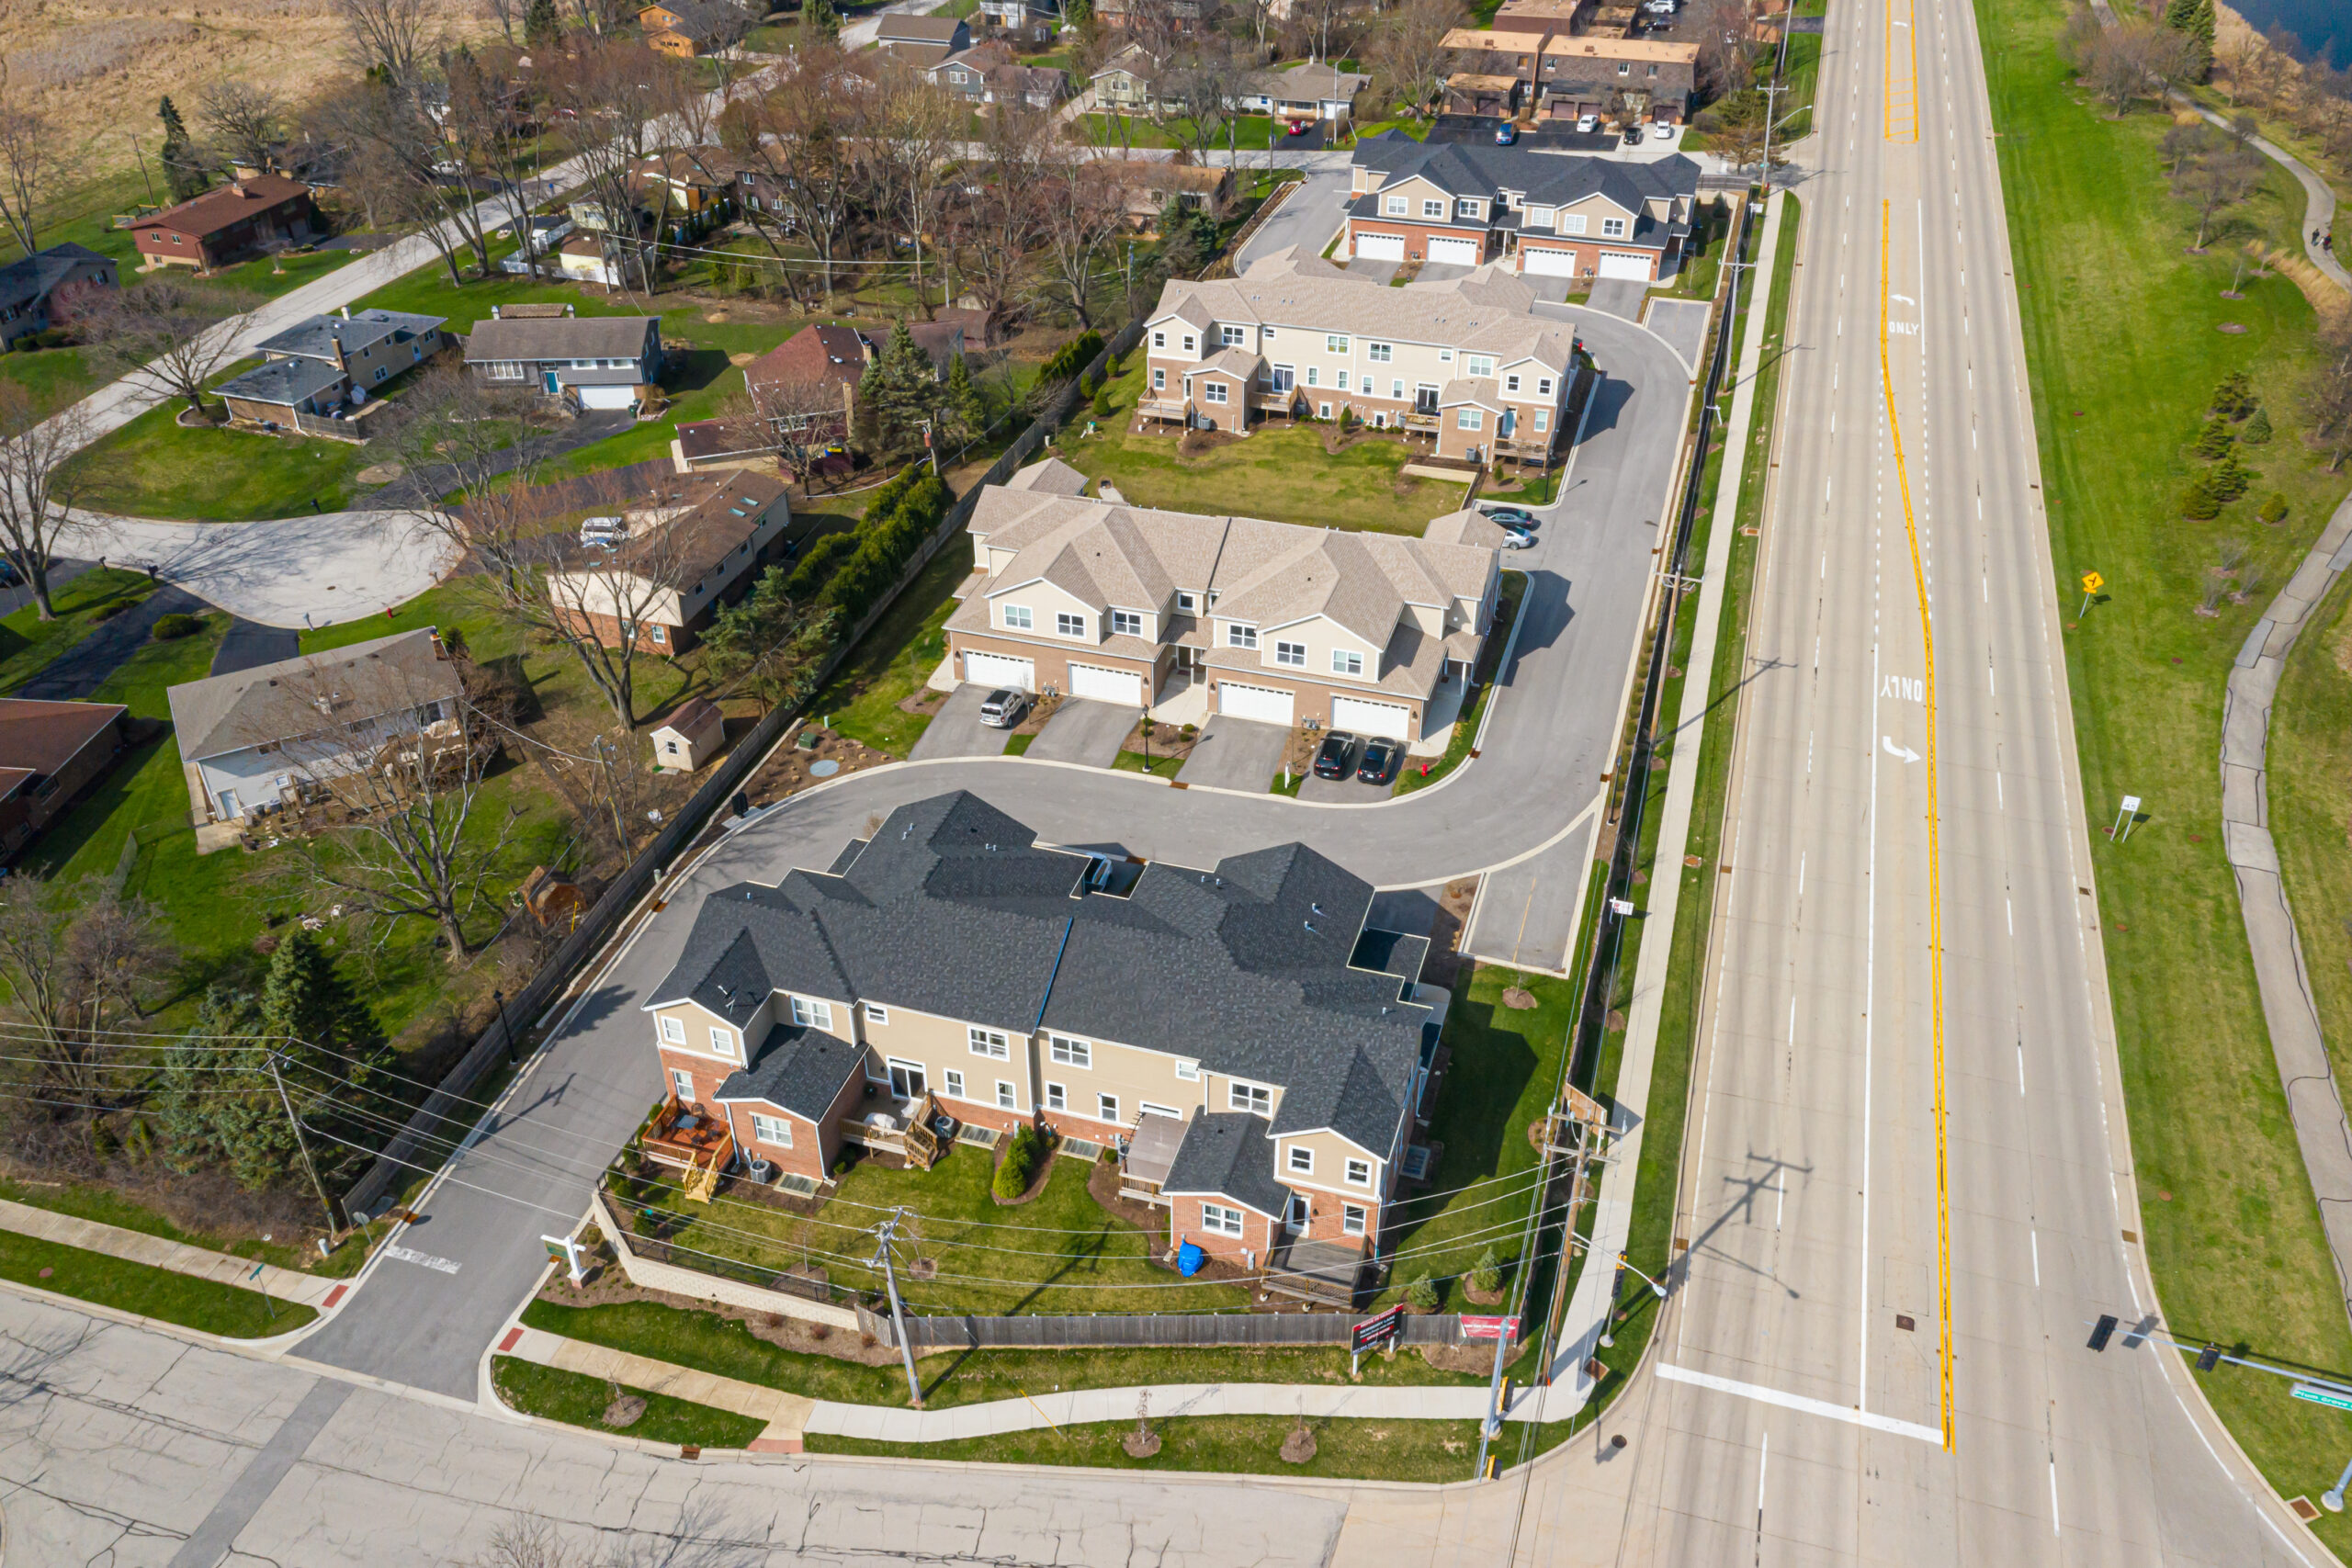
1310, 928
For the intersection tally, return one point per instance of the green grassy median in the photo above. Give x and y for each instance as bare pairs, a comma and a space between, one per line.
226, 1310
578, 1400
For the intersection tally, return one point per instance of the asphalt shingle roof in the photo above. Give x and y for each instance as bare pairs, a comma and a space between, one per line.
316, 338
953, 908
31, 278
1543, 179
800, 1069
1226, 1154
287, 381
559, 337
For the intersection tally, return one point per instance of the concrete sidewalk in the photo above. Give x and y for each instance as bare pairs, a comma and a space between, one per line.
787, 1414
138, 1246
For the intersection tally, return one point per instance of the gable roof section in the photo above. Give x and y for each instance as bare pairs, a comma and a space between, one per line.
799, 1070
283, 381
38, 737
271, 702
1485, 311
532, 338
216, 209
29, 279
898, 24
1226, 1154
820, 354
316, 337
1546, 178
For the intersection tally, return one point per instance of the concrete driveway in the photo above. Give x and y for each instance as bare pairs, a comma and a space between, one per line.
1344, 791
956, 730
1371, 271
292, 571
1620, 297
1235, 753
1308, 218
1441, 272
1084, 731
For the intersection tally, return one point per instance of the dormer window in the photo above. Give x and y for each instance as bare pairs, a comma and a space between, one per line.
1068, 625
1433, 207
1256, 1099
1241, 637
810, 1013
1127, 623
1187, 603
1234, 336
1612, 228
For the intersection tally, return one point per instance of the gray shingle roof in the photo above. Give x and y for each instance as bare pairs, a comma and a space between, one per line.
287, 381
1226, 1154
1545, 179
800, 1069
559, 337
31, 278
272, 702
316, 338
953, 908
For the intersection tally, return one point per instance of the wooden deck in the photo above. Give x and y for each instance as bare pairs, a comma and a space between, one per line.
1320, 1273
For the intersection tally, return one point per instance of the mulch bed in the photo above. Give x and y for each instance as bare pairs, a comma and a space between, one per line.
1103, 1186
787, 771
1474, 1356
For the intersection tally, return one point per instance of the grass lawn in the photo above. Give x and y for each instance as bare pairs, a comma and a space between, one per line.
579, 1400
54, 376
895, 657
1074, 1256
709, 1343
27, 643
226, 1310
1157, 767
1430, 1452
2099, 245
155, 466
1282, 475
110, 1207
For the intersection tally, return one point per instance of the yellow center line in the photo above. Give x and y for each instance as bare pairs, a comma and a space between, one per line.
1934, 894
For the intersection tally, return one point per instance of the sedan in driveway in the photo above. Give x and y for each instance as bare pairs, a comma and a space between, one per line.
1003, 708
1380, 759
1512, 516
1337, 760
1518, 539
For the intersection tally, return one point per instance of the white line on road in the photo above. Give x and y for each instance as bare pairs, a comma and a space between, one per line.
1800, 1403
421, 1260
2034, 1239
2054, 1493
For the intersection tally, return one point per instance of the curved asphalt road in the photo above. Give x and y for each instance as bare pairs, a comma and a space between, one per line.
1553, 730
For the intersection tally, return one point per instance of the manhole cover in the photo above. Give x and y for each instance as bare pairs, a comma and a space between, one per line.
824, 768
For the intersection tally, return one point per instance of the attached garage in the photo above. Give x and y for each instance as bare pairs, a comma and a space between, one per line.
607, 397
1380, 247
1384, 719
1625, 263
1267, 705
1548, 264
996, 669
1123, 686
1460, 252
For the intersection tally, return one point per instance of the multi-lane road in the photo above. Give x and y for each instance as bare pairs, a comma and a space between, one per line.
1909, 1190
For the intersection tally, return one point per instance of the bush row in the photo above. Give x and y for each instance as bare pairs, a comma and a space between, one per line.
1071, 357
901, 515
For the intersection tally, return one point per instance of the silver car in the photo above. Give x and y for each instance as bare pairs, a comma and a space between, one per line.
1004, 707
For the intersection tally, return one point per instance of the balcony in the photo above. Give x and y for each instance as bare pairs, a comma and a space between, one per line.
1326, 1274
1267, 400
1424, 421
905, 1130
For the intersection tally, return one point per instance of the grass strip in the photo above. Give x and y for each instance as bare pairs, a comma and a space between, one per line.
229, 1311
1508, 602
579, 1400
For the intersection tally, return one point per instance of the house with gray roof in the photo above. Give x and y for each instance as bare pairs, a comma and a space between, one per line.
327, 364
1280, 624
259, 738
589, 362
1238, 1026
31, 286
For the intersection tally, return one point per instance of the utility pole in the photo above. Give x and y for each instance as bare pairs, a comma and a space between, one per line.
296, 1123
887, 1233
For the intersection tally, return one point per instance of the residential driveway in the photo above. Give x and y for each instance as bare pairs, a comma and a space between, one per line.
1620, 297
60, 572
329, 566
1371, 271
1083, 731
956, 730
1441, 272
248, 647
1235, 753
82, 667
1683, 324
1308, 218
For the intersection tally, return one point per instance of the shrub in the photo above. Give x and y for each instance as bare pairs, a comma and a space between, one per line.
1487, 1274
168, 628
1071, 357
2231, 478
1422, 1294
2215, 438
2273, 509
2199, 503
1019, 1167
1103, 403
2233, 399
817, 564
2257, 429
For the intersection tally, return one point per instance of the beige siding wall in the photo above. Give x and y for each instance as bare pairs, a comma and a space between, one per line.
696, 1022
1322, 638
1131, 1074
1044, 601
942, 1045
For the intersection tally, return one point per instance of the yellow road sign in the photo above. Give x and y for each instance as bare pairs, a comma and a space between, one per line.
2093, 583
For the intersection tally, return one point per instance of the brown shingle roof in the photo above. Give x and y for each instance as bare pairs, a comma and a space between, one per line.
215, 210
830, 354
41, 738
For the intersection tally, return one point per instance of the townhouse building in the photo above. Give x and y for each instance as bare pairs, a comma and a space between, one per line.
1655, 80
1462, 362
1259, 1050
1283, 623
1539, 213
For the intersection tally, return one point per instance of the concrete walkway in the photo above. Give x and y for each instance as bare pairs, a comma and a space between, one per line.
2319, 197
138, 1246
787, 1414
1588, 1306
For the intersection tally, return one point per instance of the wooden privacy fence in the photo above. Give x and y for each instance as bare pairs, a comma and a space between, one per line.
1187, 1328
407, 1149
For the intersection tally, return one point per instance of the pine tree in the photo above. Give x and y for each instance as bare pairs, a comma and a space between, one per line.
2257, 429
2233, 395
823, 20
307, 1002
2216, 438
899, 390
541, 27
2200, 504
2179, 12
180, 169
966, 410
2229, 477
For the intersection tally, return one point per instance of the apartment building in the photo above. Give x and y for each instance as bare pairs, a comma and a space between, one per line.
1283, 624
1261, 1050
1618, 78
1539, 213
1462, 362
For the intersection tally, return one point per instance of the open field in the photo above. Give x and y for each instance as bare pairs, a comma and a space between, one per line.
2231, 1233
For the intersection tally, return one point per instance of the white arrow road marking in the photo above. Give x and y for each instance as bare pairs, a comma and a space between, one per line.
1905, 752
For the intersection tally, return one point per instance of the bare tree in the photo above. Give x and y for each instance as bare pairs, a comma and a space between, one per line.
491, 129
2183, 144
1408, 58
396, 38
2327, 396
246, 122
2118, 65
919, 128
797, 420
39, 481
996, 219
2220, 181
614, 96
1083, 207
1720, 29
1208, 79
812, 128
75, 959
32, 166
169, 336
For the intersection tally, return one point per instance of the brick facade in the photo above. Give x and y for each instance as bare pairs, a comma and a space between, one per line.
652, 637
1053, 660
1417, 236
1257, 1237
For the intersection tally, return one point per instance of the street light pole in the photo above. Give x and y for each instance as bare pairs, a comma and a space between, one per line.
505, 1033
887, 1231
2332, 1499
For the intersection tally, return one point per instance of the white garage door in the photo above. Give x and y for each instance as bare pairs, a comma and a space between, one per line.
1463, 253
996, 670
1549, 264
607, 397
1383, 719
1620, 263
1106, 685
1380, 247
1262, 703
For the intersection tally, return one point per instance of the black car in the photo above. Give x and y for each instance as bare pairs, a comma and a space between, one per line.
1337, 760
1512, 516
1380, 760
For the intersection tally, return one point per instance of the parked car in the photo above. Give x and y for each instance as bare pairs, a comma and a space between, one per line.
1298, 127
9, 576
604, 532
1505, 133
1587, 123
1337, 760
1661, 133
1518, 539
1380, 760
1633, 136
1512, 516
1004, 707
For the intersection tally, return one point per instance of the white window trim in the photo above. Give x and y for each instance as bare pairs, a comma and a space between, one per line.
1353, 1219
1008, 1097
993, 1044
1020, 618
1293, 654
1299, 1160
1067, 1051
673, 1030
1393, 206
1242, 1095
1149, 1108
1351, 1168
877, 1013
952, 1082
774, 1131
723, 1042
1346, 663
682, 1084
1218, 1220
810, 1013
1127, 623
1069, 623
1189, 1071
1240, 636
1106, 1107
1056, 1096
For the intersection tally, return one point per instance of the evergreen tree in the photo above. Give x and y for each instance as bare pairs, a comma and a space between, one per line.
2257, 429
1078, 13
2216, 437
181, 171
2179, 12
2234, 397
966, 410
898, 391
541, 26
823, 20
2229, 477
2201, 504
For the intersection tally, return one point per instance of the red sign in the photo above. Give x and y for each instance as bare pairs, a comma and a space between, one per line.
1489, 1327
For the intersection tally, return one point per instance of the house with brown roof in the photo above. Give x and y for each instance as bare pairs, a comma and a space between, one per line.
229, 223
1286, 624
51, 753
685, 29
922, 41
1634, 79
1152, 184
804, 377
659, 583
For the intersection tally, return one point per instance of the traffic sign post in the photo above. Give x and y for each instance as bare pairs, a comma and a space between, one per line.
2125, 815
2334, 1398
2092, 583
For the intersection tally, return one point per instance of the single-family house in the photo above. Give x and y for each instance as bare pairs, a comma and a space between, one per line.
33, 287
1258, 1049
1284, 624
1542, 18
1463, 363
1029, 21
51, 753
1152, 184
1318, 92
261, 737
685, 29
591, 362
1655, 80
682, 555
228, 222
321, 366
1128, 80
806, 377
988, 74
1182, 17
1540, 213
922, 41
695, 183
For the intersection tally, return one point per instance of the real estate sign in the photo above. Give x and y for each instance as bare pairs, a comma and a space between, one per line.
1490, 1327
1375, 1331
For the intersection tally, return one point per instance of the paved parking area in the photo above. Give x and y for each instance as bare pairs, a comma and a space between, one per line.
1235, 753
1308, 218
956, 730
1084, 731
1684, 323
1441, 272
1344, 791
1372, 271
